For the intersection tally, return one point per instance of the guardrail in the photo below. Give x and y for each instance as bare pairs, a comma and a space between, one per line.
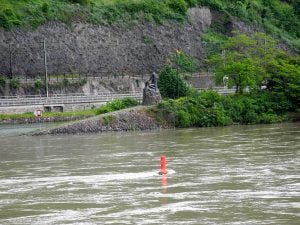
220, 90
65, 99
60, 99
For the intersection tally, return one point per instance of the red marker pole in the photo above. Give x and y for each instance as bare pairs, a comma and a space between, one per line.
163, 165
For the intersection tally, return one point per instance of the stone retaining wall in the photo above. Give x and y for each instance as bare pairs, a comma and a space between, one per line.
95, 49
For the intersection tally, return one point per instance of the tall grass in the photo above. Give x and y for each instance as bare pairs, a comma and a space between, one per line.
31, 13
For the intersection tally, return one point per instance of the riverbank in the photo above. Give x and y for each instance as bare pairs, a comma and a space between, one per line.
198, 109
44, 119
132, 119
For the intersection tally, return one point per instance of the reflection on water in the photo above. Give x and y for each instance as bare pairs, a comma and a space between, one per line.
231, 175
18, 129
164, 182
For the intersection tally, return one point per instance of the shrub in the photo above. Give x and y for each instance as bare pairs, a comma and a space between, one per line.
81, 2
191, 3
3, 21
129, 102
66, 82
117, 105
14, 83
2, 82
268, 118
208, 108
209, 98
38, 85
221, 117
179, 6
8, 18
183, 119
82, 82
170, 84
45, 7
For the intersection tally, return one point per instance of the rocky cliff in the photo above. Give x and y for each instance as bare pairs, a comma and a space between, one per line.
94, 49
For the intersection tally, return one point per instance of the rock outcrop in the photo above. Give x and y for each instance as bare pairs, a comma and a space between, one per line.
124, 120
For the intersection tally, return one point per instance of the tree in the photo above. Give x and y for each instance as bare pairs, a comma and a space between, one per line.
170, 84
241, 74
285, 78
238, 63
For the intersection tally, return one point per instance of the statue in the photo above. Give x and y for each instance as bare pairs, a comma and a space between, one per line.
151, 94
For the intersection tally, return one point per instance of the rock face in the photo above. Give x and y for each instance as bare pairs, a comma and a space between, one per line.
98, 49
125, 120
151, 94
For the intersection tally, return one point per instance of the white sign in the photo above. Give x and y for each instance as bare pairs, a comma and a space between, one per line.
38, 113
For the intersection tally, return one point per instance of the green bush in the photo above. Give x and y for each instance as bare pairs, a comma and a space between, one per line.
38, 85
66, 82
2, 82
191, 3
268, 118
8, 18
45, 8
208, 109
14, 83
82, 82
170, 84
4, 21
183, 119
81, 2
178, 6
117, 105
129, 102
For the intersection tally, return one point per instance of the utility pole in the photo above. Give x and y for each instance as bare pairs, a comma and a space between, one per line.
46, 71
177, 71
10, 62
223, 54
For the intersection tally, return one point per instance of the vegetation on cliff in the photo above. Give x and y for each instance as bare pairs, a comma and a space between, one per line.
275, 16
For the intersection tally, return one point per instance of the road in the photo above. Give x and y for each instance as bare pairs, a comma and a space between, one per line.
59, 99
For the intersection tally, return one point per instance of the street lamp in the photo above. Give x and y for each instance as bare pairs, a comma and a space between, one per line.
45, 66
177, 70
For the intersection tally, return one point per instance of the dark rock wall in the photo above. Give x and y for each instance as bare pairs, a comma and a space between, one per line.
93, 49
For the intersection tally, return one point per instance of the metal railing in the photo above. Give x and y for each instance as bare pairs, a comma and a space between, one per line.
77, 98
60, 99
220, 90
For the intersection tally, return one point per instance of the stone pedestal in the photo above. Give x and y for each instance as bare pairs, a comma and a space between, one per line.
151, 98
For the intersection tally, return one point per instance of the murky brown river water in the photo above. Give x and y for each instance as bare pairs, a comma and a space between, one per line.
232, 175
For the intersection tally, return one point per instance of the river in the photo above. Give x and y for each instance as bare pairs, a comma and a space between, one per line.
229, 175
